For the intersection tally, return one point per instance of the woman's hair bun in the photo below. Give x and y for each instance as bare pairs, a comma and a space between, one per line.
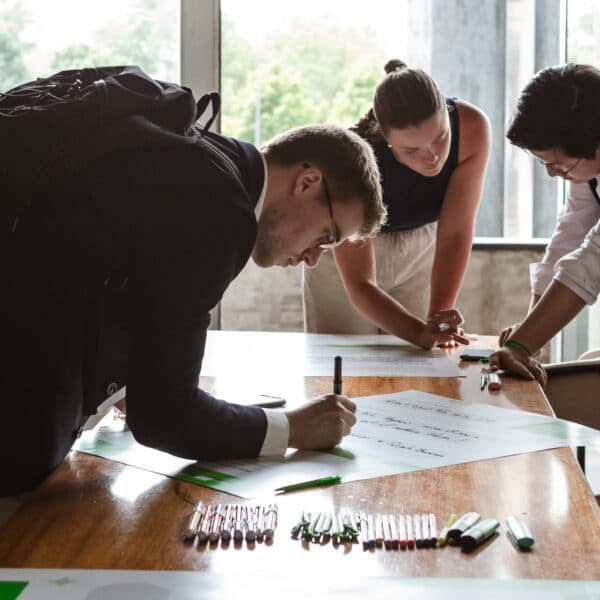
394, 65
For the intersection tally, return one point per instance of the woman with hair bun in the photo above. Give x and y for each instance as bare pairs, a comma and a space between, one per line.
432, 153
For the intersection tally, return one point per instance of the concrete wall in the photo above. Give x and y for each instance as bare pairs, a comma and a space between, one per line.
495, 293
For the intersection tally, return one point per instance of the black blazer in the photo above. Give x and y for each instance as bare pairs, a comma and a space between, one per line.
125, 265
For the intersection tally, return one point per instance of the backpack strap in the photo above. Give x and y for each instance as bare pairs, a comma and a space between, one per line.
214, 99
593, 183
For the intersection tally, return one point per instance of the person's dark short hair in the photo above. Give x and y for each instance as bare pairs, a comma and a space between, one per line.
560, 106
347, 162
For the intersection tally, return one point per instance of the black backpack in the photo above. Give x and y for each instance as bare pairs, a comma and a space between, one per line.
53, 129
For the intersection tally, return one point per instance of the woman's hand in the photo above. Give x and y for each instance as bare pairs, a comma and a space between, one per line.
448, 322
430, 336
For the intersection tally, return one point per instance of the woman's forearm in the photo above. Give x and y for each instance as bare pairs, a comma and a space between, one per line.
386, 312
449, 267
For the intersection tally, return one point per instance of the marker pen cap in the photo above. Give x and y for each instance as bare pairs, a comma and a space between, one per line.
478, 533
519, 532
462, 524
494, 382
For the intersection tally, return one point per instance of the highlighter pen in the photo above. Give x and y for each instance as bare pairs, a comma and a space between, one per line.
351, 527
425, 530
410, 537
378, 530
227, 523
326, 526
444, 533
271, 521
483, 381
402, 537
432, 531
477, 534
217, 523
335, 528
393, 531
387, 532
191, 528
345, 533
238, 525
251, 524
306, 526
461, 525
308, 484
204, 528
318, 531
519, 532
418, 531
337, 375
299, 527
260, 523
371, 530
312, 527
364, 533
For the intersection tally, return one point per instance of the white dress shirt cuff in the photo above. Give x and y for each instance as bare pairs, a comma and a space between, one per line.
278, 433
580, 270
540, 276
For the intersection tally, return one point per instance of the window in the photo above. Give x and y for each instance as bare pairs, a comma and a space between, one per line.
286, 63
38, 38
583, 46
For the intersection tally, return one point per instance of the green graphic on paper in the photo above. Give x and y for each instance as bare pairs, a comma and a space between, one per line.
11, 590
564, 430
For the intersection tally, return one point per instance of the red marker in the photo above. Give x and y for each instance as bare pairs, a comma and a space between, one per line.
494, 382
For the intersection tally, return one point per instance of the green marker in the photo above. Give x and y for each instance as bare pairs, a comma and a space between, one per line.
308, 484
443, 538
461, 525
477, 534
519, 532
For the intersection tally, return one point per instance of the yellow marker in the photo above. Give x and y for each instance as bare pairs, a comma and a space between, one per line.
444, 533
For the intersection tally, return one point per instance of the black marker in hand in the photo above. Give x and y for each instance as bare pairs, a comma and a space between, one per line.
337, 375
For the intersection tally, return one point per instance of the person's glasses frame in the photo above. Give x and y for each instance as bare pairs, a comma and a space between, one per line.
558, 170
333, 231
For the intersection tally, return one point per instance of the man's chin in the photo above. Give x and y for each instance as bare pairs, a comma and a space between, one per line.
262, 261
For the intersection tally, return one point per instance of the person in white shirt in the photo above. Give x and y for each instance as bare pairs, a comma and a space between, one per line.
557, 120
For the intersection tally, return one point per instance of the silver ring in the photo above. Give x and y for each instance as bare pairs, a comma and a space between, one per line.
443, 326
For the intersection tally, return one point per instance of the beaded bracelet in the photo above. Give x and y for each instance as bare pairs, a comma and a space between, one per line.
518, 346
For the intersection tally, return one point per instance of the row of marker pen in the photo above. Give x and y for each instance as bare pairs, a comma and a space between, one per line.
405, 531
393, 531
210, 523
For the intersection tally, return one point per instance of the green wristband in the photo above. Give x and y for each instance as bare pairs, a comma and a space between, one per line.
516, 345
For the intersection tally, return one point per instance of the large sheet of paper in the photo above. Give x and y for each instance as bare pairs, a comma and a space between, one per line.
91, 584
395, 433
250, 354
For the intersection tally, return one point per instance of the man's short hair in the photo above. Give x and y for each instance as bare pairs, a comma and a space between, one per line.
346, 161
560, 106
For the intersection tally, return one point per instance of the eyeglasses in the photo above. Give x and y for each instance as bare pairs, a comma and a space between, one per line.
558, 170
333, 238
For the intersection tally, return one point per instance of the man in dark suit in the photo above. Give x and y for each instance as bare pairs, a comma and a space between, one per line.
110, 282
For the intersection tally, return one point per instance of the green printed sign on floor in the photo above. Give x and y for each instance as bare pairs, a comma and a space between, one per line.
11, 590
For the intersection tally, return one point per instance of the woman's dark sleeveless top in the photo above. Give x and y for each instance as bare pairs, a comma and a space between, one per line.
412, 199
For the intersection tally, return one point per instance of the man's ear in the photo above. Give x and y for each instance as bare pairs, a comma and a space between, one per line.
307, 179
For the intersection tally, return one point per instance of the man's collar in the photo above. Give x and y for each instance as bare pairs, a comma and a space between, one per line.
261, 198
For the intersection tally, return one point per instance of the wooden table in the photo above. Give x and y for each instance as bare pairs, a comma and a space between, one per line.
94, 513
